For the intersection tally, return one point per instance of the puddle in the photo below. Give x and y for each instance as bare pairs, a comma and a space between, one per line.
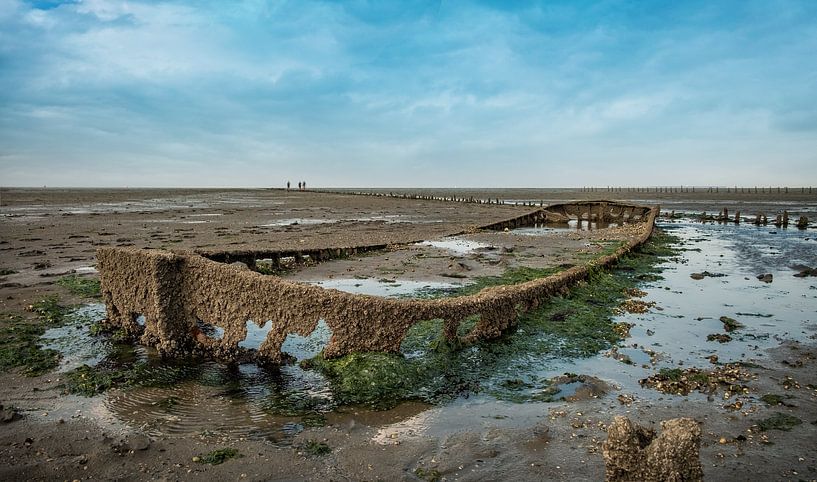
456, 245
386, 287
74, 341
570, 226
297, 221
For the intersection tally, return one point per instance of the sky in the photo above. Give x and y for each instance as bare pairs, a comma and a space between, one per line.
412, 93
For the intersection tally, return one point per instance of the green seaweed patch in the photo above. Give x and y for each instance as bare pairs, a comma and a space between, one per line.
313, 420
373, 378
218, 457
49, 310
81, 285
89, 381
605, 248
779, 421
6, 271
511, 276
429, 475
314, 448
20, 347
774, 400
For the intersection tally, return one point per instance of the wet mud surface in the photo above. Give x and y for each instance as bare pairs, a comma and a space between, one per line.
540, 415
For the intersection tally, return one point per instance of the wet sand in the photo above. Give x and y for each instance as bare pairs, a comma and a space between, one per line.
70, 437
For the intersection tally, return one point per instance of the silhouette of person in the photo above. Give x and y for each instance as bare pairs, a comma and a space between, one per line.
304, 183
299, 186
287, 185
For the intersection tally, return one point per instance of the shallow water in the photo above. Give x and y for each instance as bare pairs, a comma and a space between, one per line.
277, 404
572, 225
456, 246
388, 287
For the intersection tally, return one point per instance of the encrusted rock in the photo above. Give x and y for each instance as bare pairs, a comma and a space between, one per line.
633, 453
766, 277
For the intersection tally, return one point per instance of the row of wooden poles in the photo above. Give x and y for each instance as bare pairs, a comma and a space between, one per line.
708, 189
780, 220
470, 199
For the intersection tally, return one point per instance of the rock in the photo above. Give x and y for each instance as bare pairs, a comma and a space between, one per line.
138, 441
766, 278
8, 414
806, 272
634, 453
706, 274
802, 223
730, 324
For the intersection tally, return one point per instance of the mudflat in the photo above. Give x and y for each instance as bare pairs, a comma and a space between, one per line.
50, 234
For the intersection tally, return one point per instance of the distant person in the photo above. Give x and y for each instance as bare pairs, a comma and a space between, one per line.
287, 185
304, 183
299, 186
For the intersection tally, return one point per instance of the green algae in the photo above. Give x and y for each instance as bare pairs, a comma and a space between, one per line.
20, 344
49, 310
431, 369
89, 381
314, 448
779, 421
510, 277
774, 399
80, 285
429, 475
219, 456
20, 347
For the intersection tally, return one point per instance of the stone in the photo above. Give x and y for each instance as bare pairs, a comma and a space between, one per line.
802, 223
8, 414
138, 441
634, 453
806, 272
766, 278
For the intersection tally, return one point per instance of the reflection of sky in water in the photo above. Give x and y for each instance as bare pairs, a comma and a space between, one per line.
74, 341
382, 287
691, 309
572, 225
456, 245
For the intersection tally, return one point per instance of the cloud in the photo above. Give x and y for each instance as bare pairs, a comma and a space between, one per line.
360, 92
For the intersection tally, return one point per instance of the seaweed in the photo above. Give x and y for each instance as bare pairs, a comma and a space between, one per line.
82, 286
217, 457
315, 449
779, 421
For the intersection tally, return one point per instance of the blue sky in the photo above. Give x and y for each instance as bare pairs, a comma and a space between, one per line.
423, 93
